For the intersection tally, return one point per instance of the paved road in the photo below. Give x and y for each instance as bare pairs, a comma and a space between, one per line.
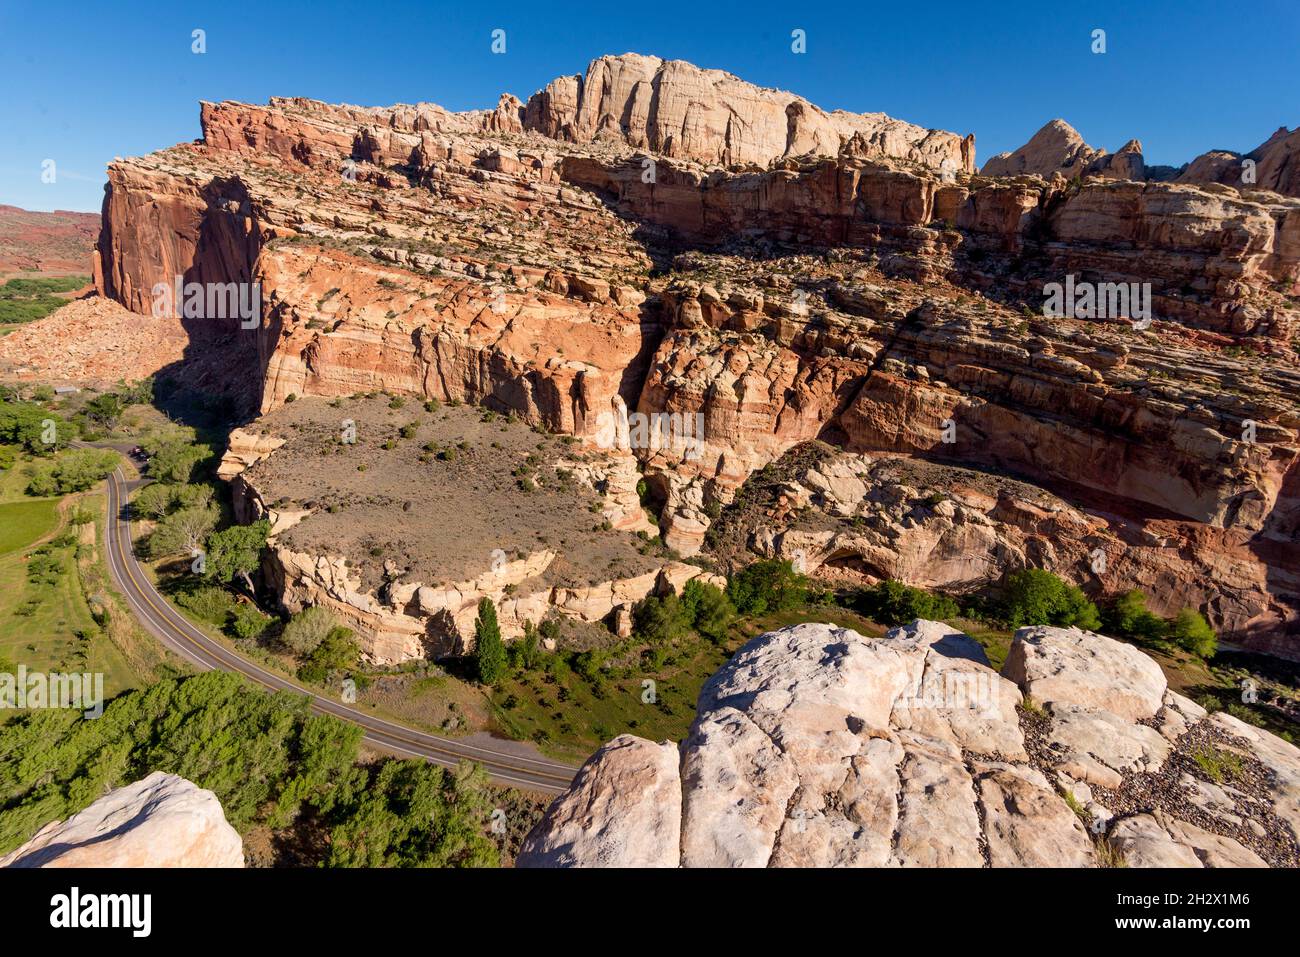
517, 769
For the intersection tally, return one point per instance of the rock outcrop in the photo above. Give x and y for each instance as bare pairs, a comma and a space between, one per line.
660, 240
1273, 165
1058, 149
674, 108
159, 821
815, 746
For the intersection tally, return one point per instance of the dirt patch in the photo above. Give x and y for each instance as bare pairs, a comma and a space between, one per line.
441, 494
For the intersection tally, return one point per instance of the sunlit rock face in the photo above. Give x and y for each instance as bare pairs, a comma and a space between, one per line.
817, 747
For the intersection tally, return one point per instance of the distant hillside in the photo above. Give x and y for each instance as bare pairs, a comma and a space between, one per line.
57, 243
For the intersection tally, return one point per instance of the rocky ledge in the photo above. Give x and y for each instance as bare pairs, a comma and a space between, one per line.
162, 820
815, 746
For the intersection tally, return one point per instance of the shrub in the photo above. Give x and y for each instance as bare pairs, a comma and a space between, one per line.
1034, 596
661, 620
336, 653
708, 608
891, 602
247, 622
307, 629
526, 654
764, 586
1127, 617
209, 603
1192, 632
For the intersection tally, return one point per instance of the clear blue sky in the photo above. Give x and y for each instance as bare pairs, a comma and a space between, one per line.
86, 81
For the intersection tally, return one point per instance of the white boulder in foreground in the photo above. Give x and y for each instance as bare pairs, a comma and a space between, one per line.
817, 747
160, 821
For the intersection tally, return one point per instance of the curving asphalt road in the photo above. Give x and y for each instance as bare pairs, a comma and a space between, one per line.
517, 768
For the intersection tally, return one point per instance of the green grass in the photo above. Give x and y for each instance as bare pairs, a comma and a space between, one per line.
25, 522
569, 716
48, 626
45, 627
25, 300
14, 480
1217, 764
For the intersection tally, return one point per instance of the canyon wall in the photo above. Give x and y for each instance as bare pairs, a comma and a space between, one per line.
880, 297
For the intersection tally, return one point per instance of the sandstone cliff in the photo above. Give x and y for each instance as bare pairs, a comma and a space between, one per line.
674, 108
815, 746
590, 257
1059, 149
159, 821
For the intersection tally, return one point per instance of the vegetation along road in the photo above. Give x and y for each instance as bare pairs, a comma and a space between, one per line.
178, 634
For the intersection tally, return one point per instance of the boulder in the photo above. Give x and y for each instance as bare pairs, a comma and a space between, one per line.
162, 820
1072, 667
622, 810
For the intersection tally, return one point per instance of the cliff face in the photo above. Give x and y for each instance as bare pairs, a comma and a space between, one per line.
676, 109
817, 747
600, 254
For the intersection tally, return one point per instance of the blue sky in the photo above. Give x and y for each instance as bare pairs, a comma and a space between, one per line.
84, 82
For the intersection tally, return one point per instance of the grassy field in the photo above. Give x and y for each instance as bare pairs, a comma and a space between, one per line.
569, 715
51, 573
569, 711
25, 522
26, 299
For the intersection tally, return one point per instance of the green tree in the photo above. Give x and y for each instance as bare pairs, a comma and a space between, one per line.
708, 608
236, 552
1034, 596
1127, 617
413, 814
765, 586
337, 653
247, 621
153, 501
660, 620
526, 654
137, 393
194, 496
890, 602
105, 410
1192, 632
307, 629
184, 530
175, 460
489, 650
37, 430
75, 470
257, 752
